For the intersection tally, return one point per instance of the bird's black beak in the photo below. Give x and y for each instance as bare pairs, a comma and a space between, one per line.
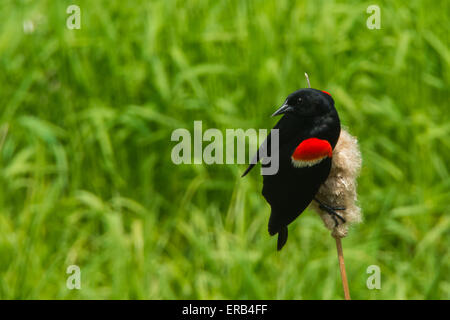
283, 109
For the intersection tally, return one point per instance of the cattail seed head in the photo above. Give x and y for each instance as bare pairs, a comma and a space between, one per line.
339, 190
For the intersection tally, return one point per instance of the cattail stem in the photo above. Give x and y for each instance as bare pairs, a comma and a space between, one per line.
342, 267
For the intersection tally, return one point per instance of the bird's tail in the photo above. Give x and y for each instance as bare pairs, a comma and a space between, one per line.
282, 237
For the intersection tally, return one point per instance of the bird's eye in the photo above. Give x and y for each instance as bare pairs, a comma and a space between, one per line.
299, 100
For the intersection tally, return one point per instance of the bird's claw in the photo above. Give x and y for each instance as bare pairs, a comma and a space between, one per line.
332, 212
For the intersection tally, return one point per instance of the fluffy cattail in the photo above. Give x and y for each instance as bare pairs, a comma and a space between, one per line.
339, 190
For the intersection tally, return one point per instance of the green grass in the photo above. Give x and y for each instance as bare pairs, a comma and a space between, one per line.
86, 176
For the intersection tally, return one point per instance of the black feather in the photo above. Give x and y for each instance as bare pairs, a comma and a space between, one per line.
282, 238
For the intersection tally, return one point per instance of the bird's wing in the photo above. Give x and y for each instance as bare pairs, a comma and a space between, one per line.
256, 158
285, 132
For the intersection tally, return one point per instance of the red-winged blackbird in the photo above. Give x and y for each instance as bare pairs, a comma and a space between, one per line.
308, 132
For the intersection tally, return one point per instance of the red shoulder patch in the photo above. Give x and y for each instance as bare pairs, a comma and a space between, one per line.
312, 149
326, 93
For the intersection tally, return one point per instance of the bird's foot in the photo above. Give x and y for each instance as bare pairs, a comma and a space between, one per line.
332, 212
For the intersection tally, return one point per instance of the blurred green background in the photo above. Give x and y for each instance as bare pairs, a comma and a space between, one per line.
86, 176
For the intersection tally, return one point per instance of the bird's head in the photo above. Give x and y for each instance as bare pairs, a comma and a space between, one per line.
307, 103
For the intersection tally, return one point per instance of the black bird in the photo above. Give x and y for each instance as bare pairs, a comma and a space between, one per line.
308, 132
